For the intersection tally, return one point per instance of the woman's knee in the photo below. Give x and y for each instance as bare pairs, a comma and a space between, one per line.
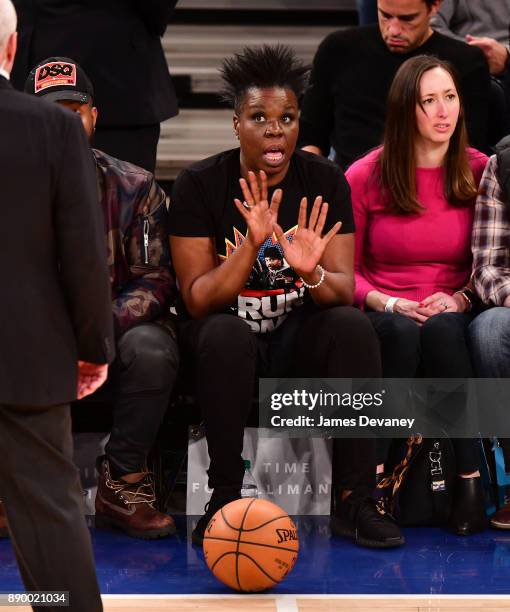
445, 326
401, 326
227, 335
344, 341
397, 331
348, 321
446, 332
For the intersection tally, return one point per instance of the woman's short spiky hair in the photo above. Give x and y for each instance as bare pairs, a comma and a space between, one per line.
265, 66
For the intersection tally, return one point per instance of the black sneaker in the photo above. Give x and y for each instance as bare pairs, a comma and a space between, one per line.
217, 501
359, 519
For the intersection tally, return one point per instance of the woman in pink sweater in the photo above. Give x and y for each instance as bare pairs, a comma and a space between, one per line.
413, 202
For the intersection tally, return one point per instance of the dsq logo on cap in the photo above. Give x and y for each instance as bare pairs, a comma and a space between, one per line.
55, 74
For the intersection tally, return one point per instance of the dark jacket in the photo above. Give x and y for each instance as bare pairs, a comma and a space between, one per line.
55, 306
117, 42
136, 224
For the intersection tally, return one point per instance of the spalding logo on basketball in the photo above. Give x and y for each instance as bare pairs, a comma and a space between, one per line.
251, 544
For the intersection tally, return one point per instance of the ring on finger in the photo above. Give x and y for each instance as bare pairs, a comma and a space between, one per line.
444, 305
246, 205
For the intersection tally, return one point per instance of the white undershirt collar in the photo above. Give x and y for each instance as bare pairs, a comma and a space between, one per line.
4, 73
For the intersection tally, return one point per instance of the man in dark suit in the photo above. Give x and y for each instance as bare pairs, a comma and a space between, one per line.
118, 44
56, 335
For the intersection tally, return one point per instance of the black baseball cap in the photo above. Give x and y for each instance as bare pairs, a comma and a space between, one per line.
60, 78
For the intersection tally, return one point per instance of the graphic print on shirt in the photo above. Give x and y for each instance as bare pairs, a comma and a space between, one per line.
272, 290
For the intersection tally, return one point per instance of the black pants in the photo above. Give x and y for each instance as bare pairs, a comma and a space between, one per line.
139, 385
135, 144
437, 349
43, 499
227, 356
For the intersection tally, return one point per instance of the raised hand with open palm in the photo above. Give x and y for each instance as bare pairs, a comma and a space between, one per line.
306, 248
260, 216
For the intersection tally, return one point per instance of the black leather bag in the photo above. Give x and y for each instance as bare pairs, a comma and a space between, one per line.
419, 490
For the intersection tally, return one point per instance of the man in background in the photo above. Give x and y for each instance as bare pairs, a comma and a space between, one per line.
118, 44
56, 337
353, 69
480, 24
483, 25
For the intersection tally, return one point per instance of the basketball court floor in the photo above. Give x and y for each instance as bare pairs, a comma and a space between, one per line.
433, 571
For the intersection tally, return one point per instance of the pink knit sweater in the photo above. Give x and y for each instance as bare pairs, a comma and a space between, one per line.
416, 255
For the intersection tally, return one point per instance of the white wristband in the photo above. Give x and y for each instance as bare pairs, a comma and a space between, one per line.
388, 307
321, 280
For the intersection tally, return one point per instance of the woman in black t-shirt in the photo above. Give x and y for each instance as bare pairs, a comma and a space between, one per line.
262, 244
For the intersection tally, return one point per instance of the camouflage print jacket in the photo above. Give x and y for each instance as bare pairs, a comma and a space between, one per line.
136, 224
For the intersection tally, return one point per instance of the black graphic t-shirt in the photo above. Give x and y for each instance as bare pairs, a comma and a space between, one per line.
202, 205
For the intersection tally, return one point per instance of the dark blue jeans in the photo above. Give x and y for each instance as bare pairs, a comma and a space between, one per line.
489, 337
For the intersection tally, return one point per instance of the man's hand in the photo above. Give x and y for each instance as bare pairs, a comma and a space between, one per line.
495, 53
90, 377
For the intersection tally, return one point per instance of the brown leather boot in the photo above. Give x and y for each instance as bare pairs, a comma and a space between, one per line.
130, 507
4, 532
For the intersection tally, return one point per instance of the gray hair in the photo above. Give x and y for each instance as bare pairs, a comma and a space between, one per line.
8, 22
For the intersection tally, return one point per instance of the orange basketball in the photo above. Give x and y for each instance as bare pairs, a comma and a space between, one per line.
251, 544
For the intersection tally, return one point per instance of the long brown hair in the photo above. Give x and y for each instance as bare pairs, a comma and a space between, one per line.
398, 159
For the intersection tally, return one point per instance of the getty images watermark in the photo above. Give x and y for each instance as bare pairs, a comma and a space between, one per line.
387, 408
312, 402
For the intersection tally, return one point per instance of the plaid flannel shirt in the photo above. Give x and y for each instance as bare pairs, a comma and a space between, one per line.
491, 240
